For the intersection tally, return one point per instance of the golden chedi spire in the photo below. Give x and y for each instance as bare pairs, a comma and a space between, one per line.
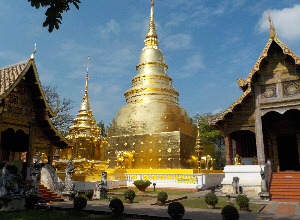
151, 84
151, 37
86, 91
199, 145
272, 29
152, 127
84, 127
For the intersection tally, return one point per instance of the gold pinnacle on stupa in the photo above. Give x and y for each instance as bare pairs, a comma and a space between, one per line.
88, 146
199, 146
85, 134
152, 124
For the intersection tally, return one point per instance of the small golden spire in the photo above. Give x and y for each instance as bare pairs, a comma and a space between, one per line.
32, 55
198, 128
272, 29
86, 92
151, 37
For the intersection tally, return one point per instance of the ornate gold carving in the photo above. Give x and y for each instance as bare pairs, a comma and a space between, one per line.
291, 88
148, 64
242, 82
143, 90
268, 92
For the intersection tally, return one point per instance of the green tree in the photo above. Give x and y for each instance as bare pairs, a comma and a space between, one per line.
210, 134
101, 125
55, 8
63, 119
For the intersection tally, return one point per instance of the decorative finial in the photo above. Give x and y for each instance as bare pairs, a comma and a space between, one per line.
151, 37
32, 55
272, 29
198, 128
86, 93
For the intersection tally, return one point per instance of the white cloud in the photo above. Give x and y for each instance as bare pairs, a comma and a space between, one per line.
178, 41
193, 64
286, 22
176, 19
111, 27
217, 111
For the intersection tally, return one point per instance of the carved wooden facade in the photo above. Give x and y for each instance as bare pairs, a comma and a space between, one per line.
25, 123
265, 121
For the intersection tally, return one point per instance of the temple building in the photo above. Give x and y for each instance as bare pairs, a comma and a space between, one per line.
265, 121
25, 117
151, 130
263, 124
88, 146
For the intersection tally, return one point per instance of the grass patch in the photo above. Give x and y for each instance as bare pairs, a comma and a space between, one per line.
200, 203
150, 191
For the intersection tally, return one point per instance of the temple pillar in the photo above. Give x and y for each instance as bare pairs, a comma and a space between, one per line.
258, 129
29, 156
1, 120
50, 157
228, 150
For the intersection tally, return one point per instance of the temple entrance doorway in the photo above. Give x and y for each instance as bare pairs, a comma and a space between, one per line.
14, 148
288, 152
281, 134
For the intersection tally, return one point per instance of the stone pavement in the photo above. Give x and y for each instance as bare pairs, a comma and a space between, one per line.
272, 210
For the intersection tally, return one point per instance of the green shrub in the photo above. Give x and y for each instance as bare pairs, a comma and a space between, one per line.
31, 200
211, 199
229, 212
141, 182
162, 196
242, 200
117, 207
89, 194
129, 194
79, 202
176, 210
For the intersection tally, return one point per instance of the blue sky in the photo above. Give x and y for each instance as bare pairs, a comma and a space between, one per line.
207, 45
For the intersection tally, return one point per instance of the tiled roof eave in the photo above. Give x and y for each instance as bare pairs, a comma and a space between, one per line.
245, 84
231, 107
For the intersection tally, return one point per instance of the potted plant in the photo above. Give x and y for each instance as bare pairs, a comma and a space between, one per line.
129, 195
117, 207
211, 200
89, 194
79, 202
142, 184
31, 200
176, 210
161, 198
229, 212
243, 202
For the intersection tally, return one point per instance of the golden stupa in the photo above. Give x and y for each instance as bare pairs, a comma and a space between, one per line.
88, 146
151, 131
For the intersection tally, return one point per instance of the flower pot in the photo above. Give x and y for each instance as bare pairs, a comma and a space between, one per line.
129, 201
142, 188
160, 203
210, 206
245, 209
